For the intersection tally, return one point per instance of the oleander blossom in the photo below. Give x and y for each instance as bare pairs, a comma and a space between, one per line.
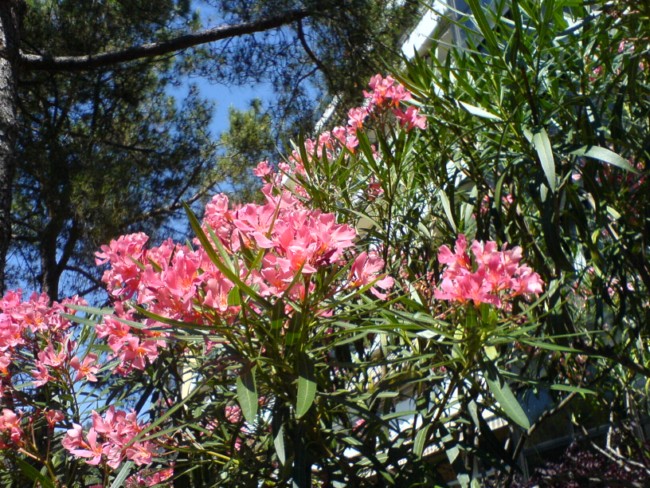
11, 432
149, 477
35, 338
386, 99
112, 439
491, 276
291, 243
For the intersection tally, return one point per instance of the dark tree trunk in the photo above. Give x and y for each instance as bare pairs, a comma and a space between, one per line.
9, 22
49, 267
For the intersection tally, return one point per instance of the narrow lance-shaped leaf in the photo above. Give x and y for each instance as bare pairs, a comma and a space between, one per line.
484, 25
33, 474
542, 145
573, 389
506, 399
605, 155
478, 111
122, 475
247, 393
306, 385
277, 429
420, 441
447, 208
90, 310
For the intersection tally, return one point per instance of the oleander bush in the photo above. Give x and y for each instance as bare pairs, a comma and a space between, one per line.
418, 293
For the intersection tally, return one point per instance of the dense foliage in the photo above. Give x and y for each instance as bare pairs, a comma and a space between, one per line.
417, 295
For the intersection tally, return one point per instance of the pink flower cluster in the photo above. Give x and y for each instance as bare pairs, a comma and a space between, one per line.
387, 93
58, 359
11, 433
386, 96
493, 276
21, 323
289, 241
149, 477
110, 440
35, 339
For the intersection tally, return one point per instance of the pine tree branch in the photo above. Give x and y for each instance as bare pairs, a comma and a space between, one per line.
310, 53
91, 61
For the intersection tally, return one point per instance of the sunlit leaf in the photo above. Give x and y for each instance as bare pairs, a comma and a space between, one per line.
306, 385
478, 111
506, 399
542, 145
247, 393
124, 472
604, 154
33, 474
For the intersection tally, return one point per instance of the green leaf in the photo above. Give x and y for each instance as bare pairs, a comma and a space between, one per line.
80, 320
420, 441
542, 145
91, 310
491, 352
247, 393
463, 480
602, 154
573, 389
484, 25
33, 474
549, 346
452, 453
306, 385
278, 439
506, 398
447, 208
163, 320
478, 111
121, 476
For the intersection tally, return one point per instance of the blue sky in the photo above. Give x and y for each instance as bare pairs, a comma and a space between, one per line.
223, 96
226, 97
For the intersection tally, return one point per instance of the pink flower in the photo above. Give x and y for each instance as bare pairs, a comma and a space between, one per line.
5, 361
386, 92
52, 358
73, 437
90, 449
140, 452
111, 439
123, 254
135, 352
86, 369
495, 277
11, 333
113, 330
459, 258
53, 417
410, 119
145, 478
41, 375
356, 117
366, 271
217, 290
10, 424
467, 287
233, 414
262, 170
